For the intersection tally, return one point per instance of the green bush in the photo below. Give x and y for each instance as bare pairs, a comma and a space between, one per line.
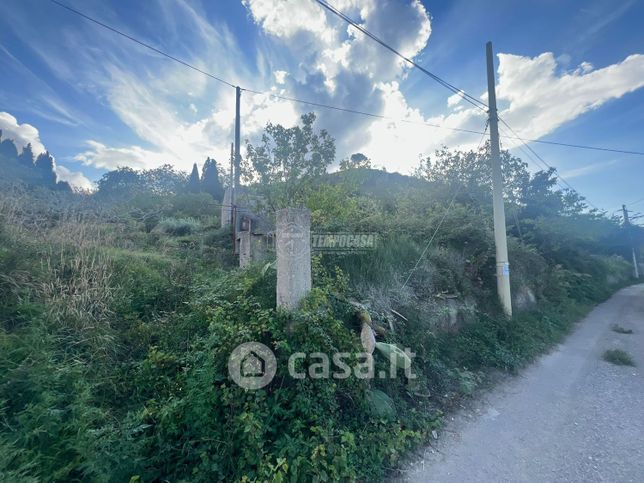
179, 226
118, 321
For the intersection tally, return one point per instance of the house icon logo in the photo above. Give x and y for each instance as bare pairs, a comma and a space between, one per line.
252, 365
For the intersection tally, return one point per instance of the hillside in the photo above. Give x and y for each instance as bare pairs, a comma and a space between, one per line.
120, 310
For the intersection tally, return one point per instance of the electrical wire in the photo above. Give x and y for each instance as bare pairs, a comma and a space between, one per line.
147, 46
344, 109
530, 152
363, 113
636, 201
457, 189
472, 100
582, 146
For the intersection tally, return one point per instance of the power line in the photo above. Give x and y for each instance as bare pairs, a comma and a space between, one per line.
538, 162
337, 108
147, 46
230, 84
582, 146
363, 113
635, 202
440, 223
569, 186
472, 100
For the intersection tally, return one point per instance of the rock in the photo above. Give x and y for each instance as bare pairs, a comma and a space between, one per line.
368, 338
524, 298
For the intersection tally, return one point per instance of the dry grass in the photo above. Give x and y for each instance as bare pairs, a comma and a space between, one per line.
75, 277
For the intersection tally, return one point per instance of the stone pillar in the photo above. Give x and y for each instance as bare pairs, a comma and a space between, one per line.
293, 249
226, 208
245, 253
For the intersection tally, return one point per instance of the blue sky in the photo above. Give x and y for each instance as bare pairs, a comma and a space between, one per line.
566, 71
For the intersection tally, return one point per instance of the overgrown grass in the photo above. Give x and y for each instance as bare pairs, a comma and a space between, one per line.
618, 357
116, 334
179, 226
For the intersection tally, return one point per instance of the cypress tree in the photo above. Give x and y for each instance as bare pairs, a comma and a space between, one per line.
210, 182
193, 180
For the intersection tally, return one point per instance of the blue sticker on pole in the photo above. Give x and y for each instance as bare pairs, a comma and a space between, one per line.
506, 269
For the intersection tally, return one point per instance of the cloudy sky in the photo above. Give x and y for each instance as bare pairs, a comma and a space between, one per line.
567, 71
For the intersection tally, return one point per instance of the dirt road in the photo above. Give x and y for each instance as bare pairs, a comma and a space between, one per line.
570, 416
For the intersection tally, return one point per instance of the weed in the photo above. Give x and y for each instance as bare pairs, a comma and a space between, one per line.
618, 357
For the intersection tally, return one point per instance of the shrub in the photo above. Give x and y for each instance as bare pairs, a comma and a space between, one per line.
179, 226
618, 357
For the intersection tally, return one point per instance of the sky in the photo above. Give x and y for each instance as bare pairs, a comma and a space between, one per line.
567, 71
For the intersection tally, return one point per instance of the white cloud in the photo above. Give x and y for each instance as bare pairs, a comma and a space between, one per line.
21, 134
280, 76
75, 178
539, 101
104, 157
454, 100
310, 54
398, 145
285, 18
588, 169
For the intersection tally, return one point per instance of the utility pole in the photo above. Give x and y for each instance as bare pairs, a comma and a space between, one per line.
627, 227
232, 180
236, 167
500, 236
237, 135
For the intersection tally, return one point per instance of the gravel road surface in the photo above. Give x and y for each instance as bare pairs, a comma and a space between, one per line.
570, 416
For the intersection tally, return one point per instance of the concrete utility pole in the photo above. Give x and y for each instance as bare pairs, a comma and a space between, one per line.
237, 173
500, 236
627, 227
232, 180
237, 135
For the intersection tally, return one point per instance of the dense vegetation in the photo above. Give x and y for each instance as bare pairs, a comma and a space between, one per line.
120, 308
32, 170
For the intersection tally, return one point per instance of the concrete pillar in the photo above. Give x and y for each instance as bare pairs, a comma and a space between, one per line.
245, 253
226, 208
293, 249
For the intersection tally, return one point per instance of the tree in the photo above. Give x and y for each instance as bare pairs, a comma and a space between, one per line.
125, 183
8, 148
45, 170
355, 161
121, 182
288, 160
163, 180
472, 170
210, 182
26, 158
193, 181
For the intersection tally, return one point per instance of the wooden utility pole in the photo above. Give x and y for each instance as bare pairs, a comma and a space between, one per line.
629, 231
500, 236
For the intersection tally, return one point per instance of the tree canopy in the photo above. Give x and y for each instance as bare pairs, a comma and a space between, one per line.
22, 166
210, 182
288, 161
